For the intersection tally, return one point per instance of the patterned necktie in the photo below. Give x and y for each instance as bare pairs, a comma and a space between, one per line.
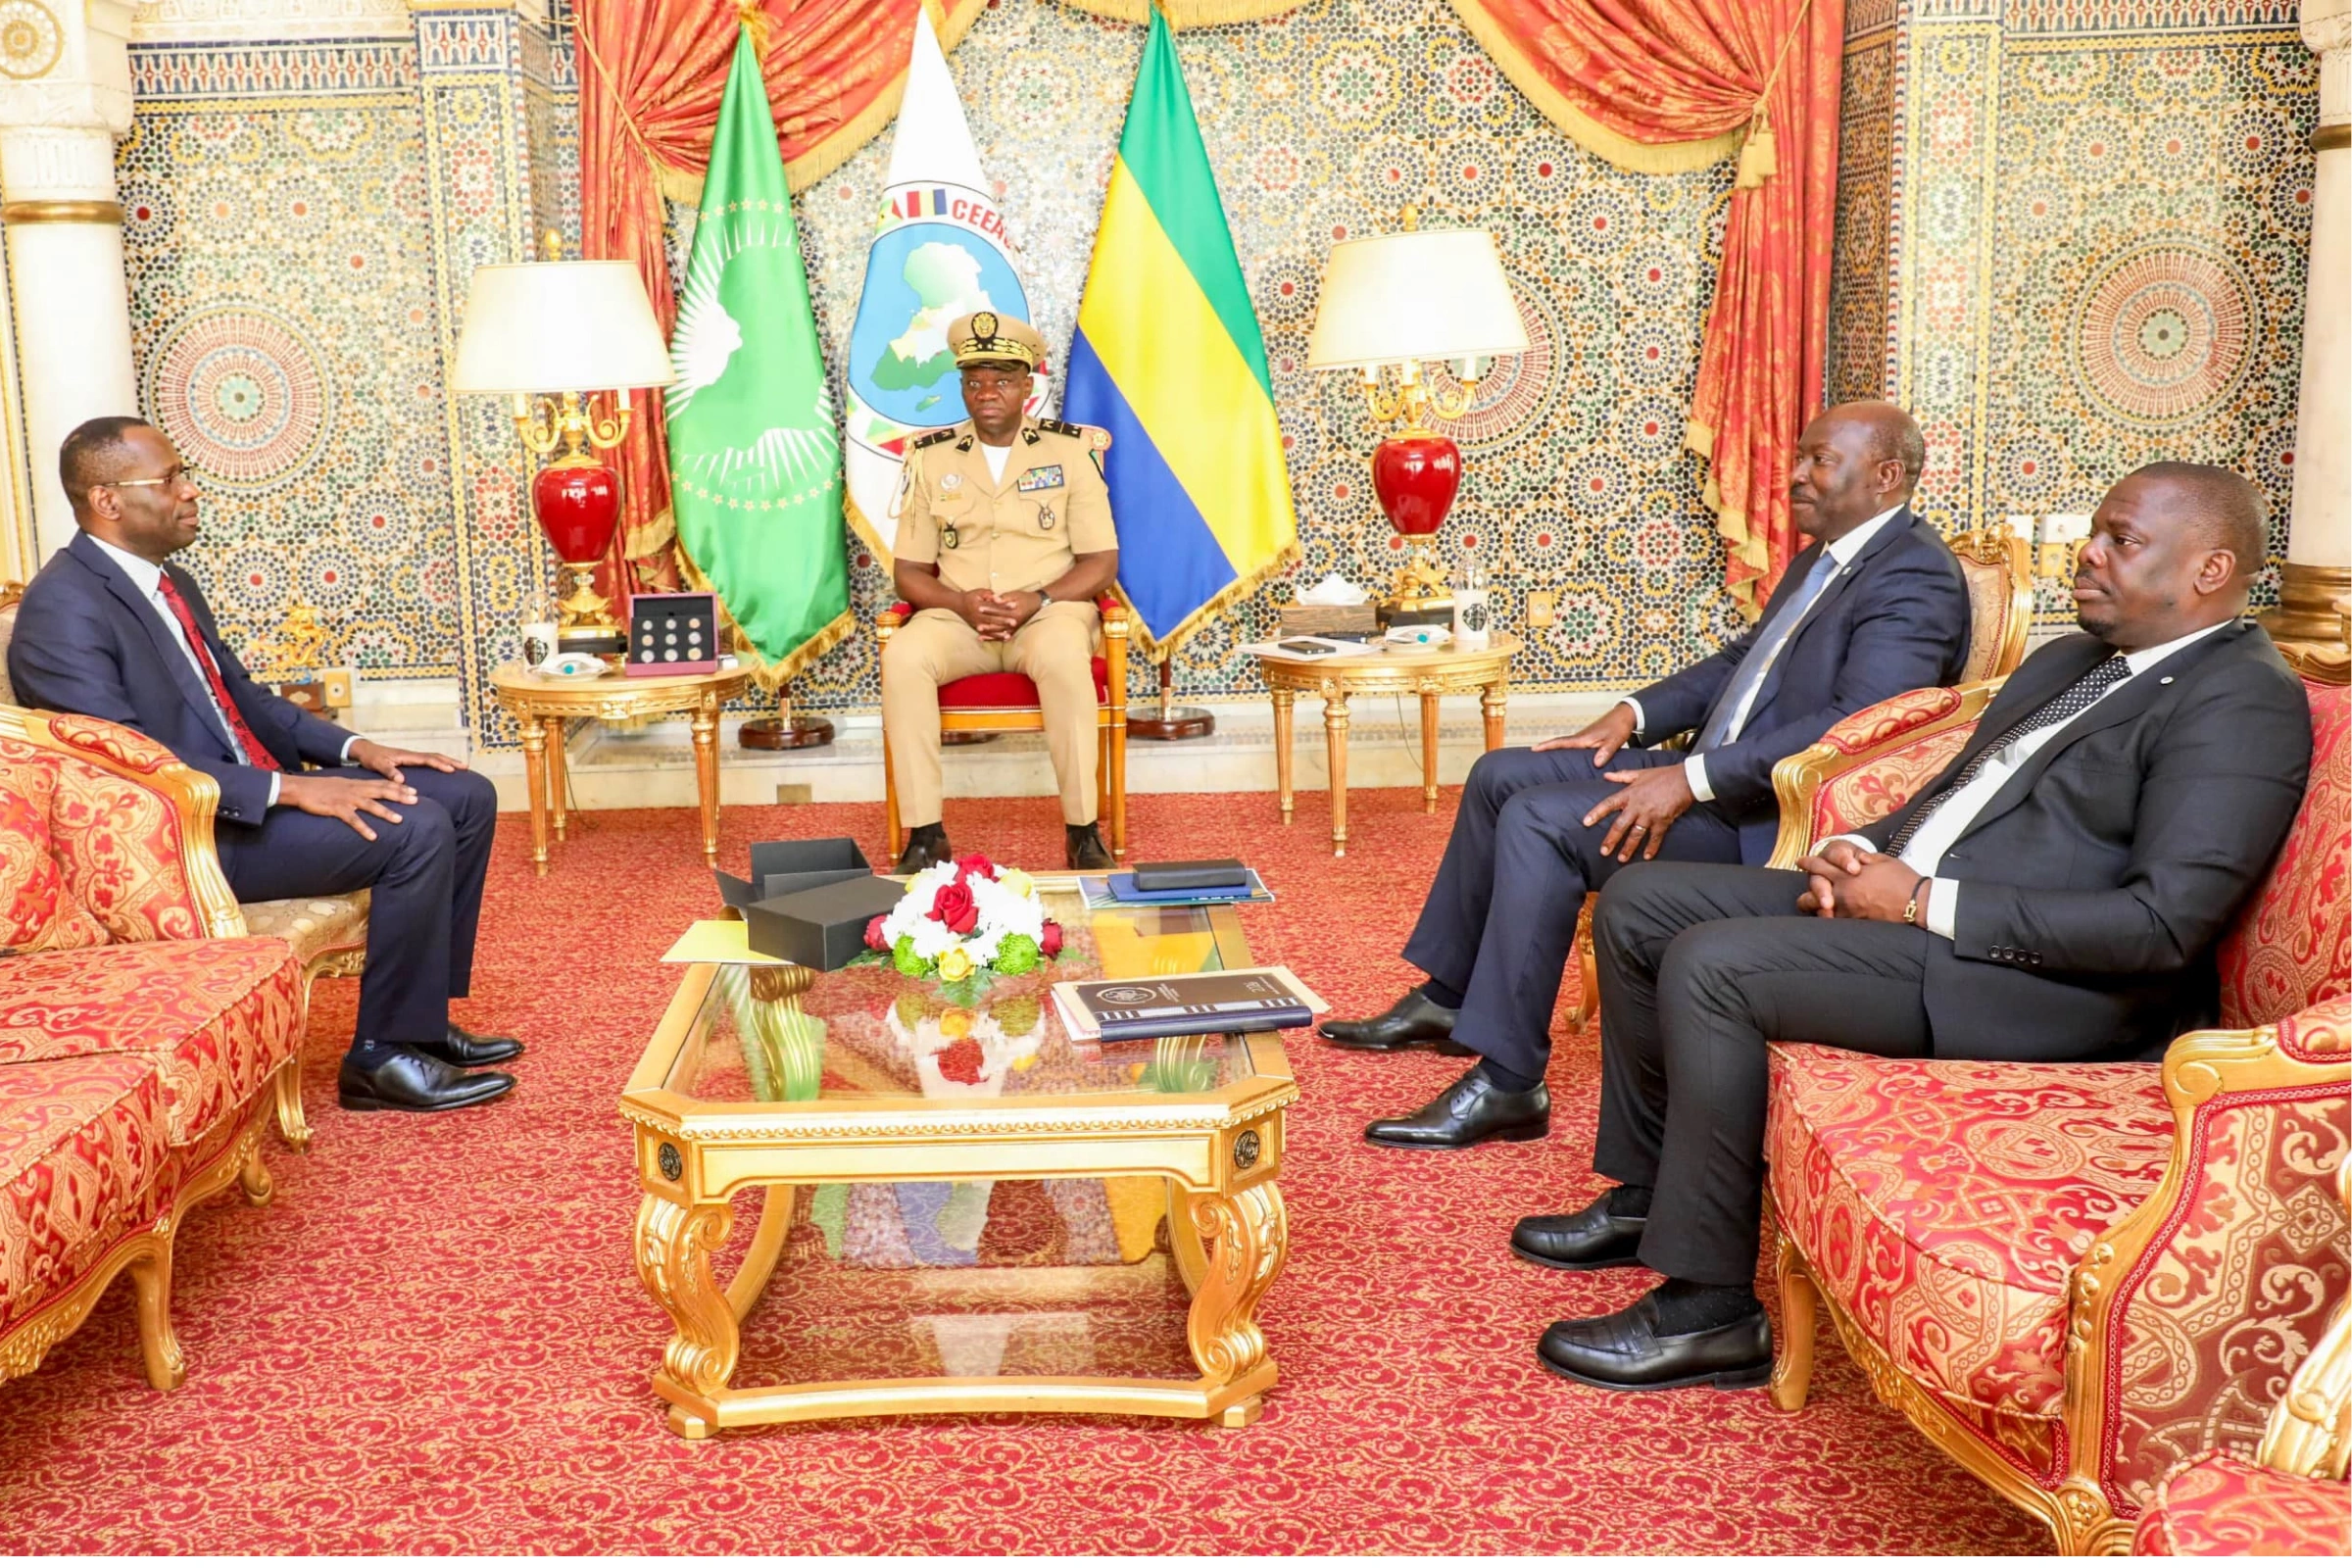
1761, 653
256, 754
2087, 690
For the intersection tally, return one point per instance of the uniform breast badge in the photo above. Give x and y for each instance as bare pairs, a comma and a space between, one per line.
1045, 478
1045, 519
951, 481
947, 537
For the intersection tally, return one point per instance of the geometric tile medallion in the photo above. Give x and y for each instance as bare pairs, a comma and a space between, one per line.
238, 391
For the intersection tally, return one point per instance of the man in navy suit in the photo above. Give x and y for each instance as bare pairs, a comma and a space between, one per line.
111, 630
1877, 604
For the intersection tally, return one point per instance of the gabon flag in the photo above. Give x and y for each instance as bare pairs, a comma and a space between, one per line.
1169, 360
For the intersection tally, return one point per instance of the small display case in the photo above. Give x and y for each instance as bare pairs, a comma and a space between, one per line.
673, 634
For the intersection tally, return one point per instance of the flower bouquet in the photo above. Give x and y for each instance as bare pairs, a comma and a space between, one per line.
965, 924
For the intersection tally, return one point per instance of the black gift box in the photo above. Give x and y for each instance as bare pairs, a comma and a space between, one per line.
808, 899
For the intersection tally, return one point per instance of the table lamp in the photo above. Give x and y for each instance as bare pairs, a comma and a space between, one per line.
552, 335
1393, 301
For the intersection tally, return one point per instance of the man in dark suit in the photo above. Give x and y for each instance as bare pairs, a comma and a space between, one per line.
1876, 606
2055, 895
109, 628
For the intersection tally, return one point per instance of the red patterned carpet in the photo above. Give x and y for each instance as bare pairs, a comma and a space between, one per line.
435, 1342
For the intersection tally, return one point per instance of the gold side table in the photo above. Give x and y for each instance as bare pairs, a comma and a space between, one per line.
1426, 674
542, 704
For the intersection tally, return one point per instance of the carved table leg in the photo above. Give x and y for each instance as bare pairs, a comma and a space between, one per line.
1184, 1242
558, 782
1284, 701
1800, 1310
1335, 745
534, 769
674, 1246
151, 1281
705, 774
1247, 1238
1429, 752
1492, 704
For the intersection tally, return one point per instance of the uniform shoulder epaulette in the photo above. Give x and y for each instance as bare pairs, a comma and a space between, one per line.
1093, 435
933, 439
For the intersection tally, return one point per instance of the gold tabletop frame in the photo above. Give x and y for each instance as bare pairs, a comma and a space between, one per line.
1220, 1152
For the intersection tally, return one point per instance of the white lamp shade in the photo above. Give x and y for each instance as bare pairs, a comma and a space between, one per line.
1428, 294
559, 327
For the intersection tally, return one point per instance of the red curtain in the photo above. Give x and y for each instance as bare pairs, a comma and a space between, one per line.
652, 72
1660, 85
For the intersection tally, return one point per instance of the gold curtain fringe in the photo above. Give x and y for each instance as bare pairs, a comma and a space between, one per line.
1182, 13
765, 674
857, 519
1158, 648
1636, 156
652, 538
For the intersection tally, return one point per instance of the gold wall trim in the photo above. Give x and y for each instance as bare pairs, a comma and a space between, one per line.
14, 212
2326, 138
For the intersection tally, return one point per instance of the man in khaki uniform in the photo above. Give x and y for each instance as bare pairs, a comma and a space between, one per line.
1005, 539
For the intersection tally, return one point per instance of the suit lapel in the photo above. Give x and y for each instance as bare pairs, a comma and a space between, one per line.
159, 637
1828, 595
2140, 694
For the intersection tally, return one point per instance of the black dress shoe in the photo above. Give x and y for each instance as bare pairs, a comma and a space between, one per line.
1625, 1351
1414, 1020
926, 846
1470, 1112
465, 1049
1591, 1238
1083, 847
410, 1080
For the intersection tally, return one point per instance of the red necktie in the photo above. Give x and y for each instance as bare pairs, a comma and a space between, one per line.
256, 754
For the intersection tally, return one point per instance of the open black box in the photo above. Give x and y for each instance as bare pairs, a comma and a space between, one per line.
808, 900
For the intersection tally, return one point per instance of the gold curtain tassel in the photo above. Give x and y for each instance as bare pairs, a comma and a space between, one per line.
754, 22
1759, 156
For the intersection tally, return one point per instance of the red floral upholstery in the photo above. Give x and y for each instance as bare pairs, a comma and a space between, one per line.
82, 1140
2294, 944
116, 841
2220, 1505
218, 1017
37, 912
1861, 796
1943, 1203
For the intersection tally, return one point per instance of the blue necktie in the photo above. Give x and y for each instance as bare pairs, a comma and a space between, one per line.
1762, 653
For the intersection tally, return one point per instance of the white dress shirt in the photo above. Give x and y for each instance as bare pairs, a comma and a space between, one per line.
1842, 551
1942, 827
148, 577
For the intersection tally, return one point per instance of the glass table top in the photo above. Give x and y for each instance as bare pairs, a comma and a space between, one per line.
867, 1033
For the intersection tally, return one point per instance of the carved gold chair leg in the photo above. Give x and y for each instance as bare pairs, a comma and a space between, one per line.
1801, 1320
890, 802
292, 1125
252, 1176
151, 1281
1587, 968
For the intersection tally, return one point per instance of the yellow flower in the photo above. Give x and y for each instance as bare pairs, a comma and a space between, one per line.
955, 964
1014, 882
956, 1022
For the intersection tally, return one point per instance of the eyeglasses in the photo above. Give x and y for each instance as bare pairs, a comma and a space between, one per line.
175, 477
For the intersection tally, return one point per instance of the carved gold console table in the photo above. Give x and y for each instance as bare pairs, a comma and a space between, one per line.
959, 1209
542, 705
1381, 671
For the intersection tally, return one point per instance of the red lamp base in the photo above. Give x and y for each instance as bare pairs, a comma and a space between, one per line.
577, 499
1415, 474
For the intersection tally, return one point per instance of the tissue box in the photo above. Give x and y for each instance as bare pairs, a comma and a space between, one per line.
1330, 620
808, 899
820, 927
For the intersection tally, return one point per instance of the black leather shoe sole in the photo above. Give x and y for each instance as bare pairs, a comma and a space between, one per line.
1630, 1260
483, 1054
1739, 1377
1524, 1132
368, 1102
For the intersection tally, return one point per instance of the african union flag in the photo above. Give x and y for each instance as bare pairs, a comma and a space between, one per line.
1169, 359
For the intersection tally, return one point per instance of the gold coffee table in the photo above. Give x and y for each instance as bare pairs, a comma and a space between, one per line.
1426, 674
959, 1210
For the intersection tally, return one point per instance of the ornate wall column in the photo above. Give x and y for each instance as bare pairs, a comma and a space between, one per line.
2318, 550
64, 96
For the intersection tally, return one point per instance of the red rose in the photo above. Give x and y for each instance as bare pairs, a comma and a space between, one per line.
956, 908
1049, 941
962, 1062
873, 933
976, 865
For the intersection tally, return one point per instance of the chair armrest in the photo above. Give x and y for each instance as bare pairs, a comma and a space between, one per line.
891, 621
2186, 1318
1870, 762
153, 872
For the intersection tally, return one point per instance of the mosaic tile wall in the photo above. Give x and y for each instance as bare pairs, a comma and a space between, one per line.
2032, 210
2095, 219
